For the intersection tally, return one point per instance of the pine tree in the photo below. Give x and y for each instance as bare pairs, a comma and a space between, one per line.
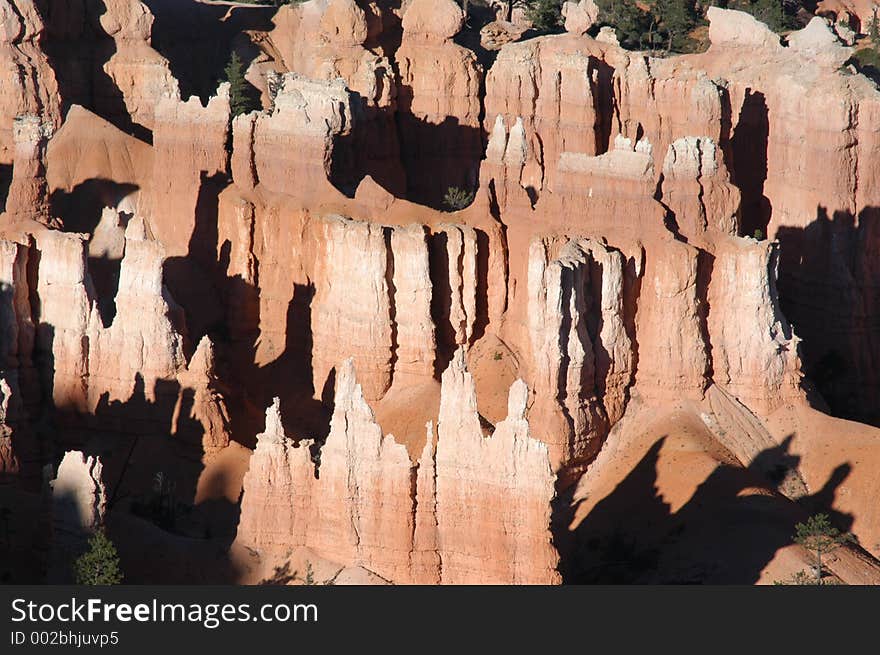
99, 565
241, 99
874, 28
635, 27
545, 15
678, 18
770, 12
819, 537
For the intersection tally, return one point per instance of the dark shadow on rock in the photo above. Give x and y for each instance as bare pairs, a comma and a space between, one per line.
192, 280
282, 575
197, 39
589, 553
438, 158
254, 384
481, 320
392, 293
5, 181
441, 300
602, 83
828, 277
81, 207
152, 455
104, 272
469, 37
371, 148
305, 417
748, 163
78, 47
137, 440
719, 536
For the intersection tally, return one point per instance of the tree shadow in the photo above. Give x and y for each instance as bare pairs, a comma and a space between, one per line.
721, 535
283, 575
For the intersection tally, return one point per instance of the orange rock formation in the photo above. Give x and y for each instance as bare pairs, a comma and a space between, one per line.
664, 277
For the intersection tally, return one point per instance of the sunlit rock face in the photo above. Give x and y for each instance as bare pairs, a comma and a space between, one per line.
469, 287
360, 501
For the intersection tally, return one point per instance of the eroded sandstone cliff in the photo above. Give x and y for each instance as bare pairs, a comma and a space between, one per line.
451, 388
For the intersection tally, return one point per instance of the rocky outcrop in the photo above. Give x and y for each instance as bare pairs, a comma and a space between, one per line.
757, 363
366, 486
672, 362
458, 249
78, 506
739, 29
28, 191
790, 195
332, 45
9, 462
134, 69
66, 295
104, 60
371, 506
414, 339
27, 81
150, 348
190, 151
562, 351
19, 382
611, 259
92, 164
15, 309
416, 299
352, 307
438, 102
696, 188
62, 360
580, 16
201, 412
359, 509
510, 474
295, 140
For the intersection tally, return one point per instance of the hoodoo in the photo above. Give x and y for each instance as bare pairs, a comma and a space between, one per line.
443, 307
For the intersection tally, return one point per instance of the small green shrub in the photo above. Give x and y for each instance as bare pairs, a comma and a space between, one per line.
457, 199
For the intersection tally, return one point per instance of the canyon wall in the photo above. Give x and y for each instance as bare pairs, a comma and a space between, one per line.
638, 232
